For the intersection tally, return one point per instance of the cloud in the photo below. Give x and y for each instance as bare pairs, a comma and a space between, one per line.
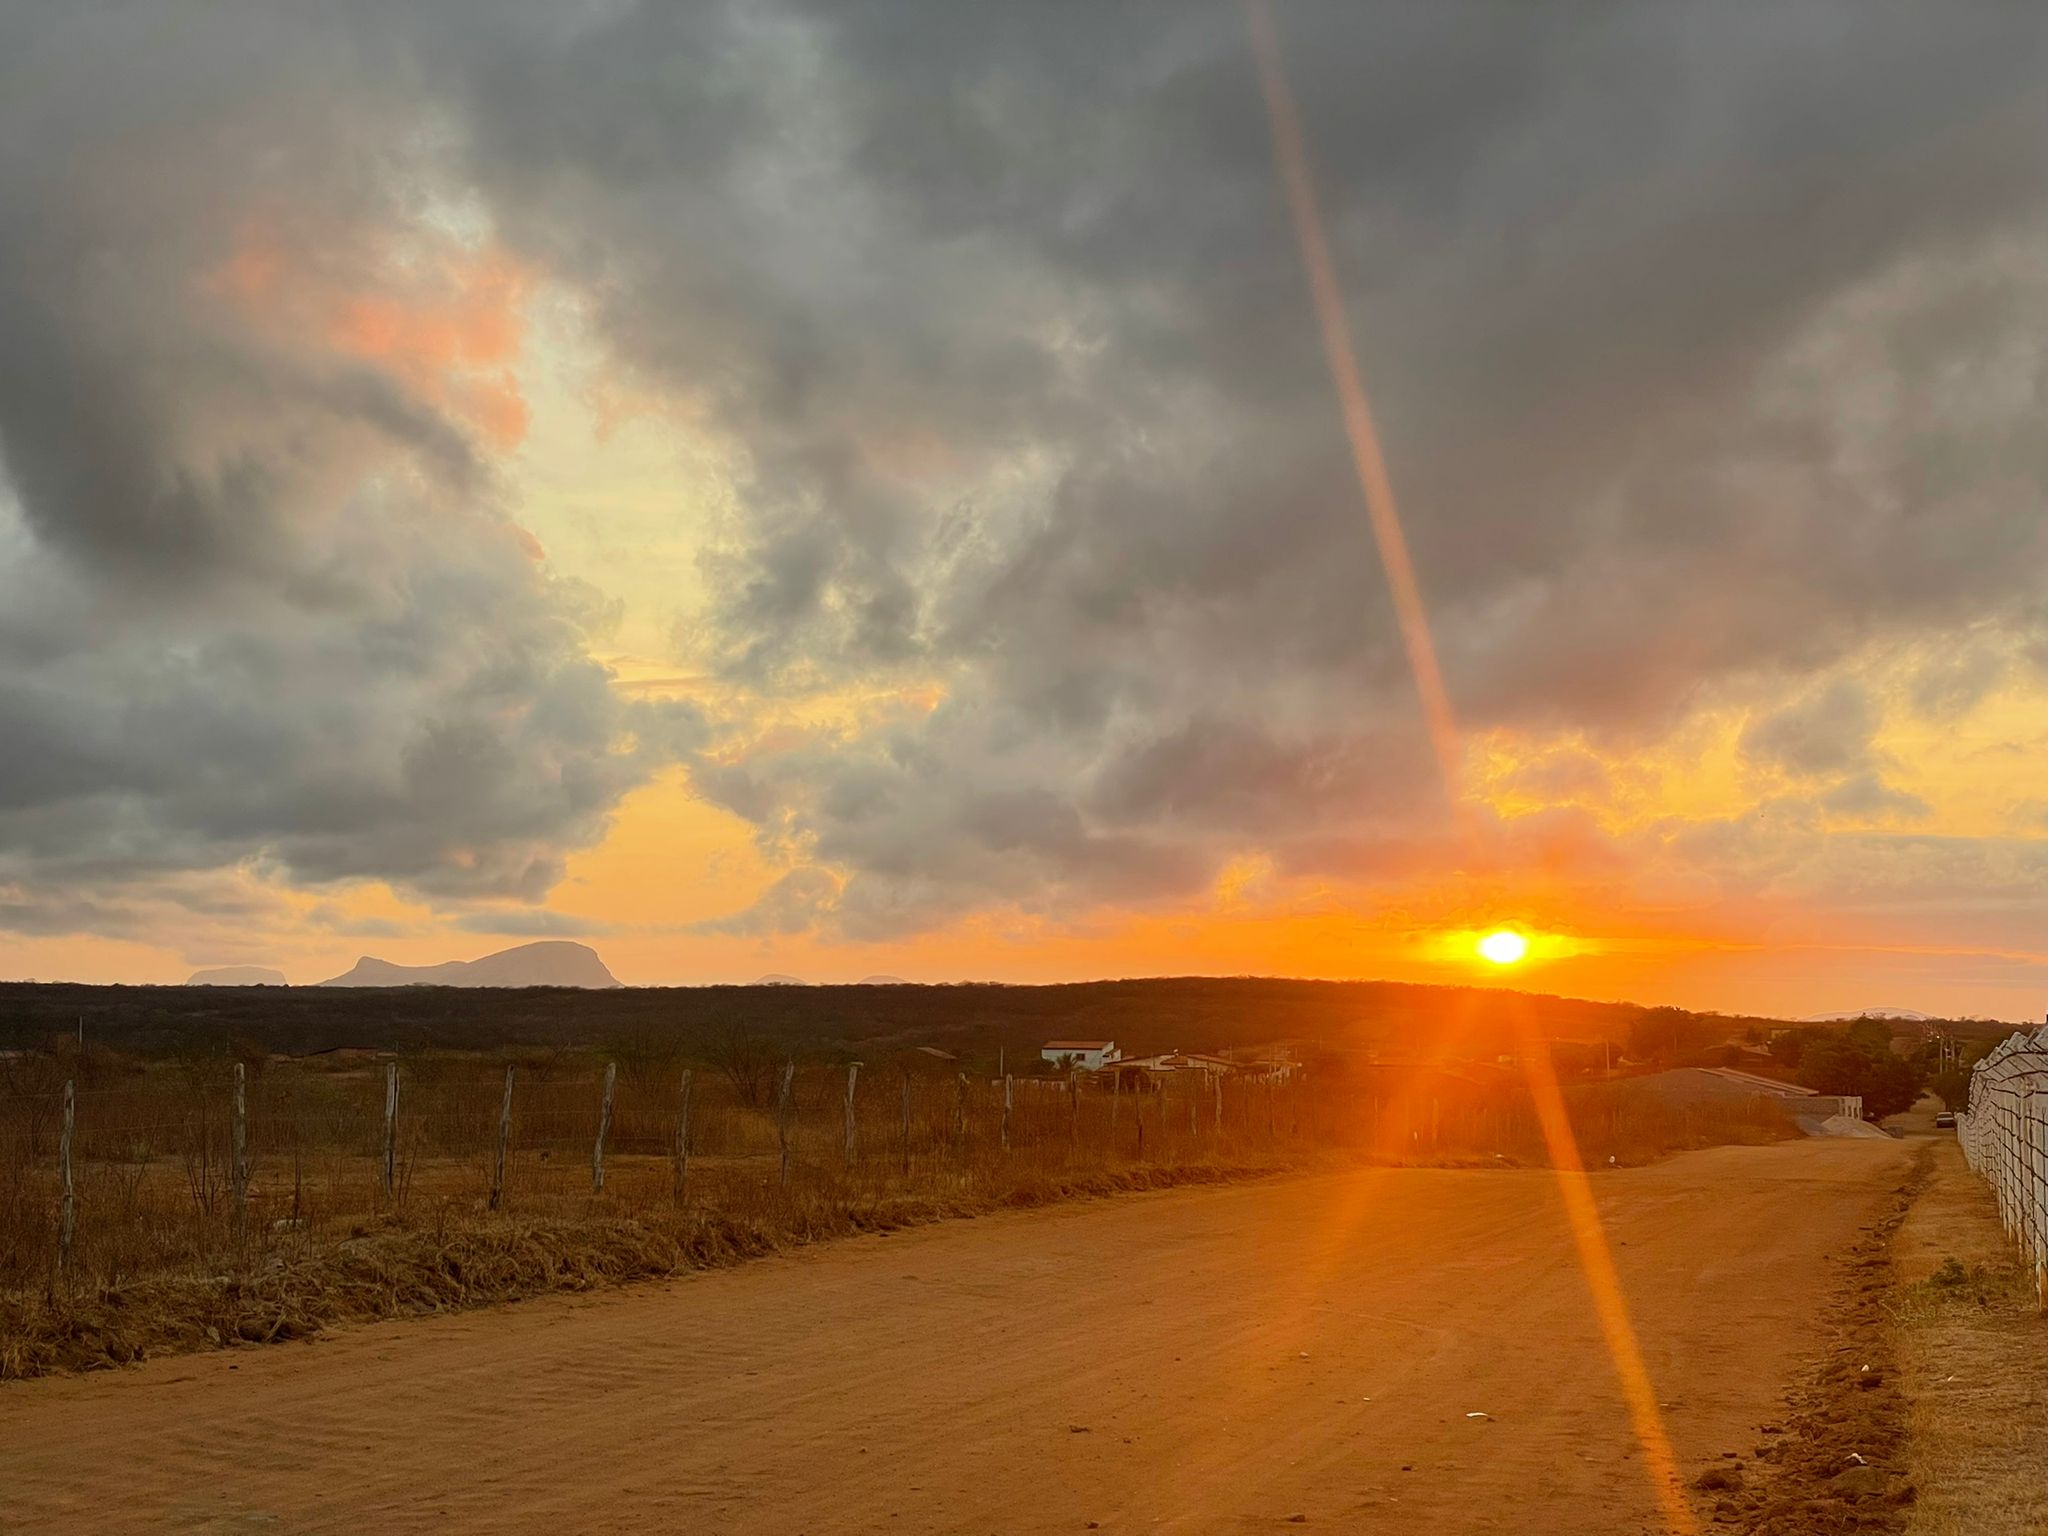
261, 604
1664, 312
1867, 798
1699, 338
1828, 732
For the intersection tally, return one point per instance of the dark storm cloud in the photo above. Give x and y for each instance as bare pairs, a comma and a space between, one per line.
1662, 307
258, 604
1700, 337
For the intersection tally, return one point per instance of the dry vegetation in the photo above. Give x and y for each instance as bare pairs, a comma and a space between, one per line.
1973, 1347
176, 1244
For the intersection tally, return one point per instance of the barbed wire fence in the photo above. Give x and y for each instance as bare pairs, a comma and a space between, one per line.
2004, 1136
129, 1176
120, 1173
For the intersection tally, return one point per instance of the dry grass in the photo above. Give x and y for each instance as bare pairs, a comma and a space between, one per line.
165, 1258
1973, 1347
401, 1269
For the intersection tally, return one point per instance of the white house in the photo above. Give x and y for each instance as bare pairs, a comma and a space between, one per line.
1088, 1055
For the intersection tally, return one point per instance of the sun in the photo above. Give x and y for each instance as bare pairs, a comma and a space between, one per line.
1503, 946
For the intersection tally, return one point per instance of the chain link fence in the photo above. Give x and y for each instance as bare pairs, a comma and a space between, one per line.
2004, 1134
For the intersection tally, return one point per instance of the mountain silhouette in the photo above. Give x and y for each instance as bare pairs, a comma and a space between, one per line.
548, 963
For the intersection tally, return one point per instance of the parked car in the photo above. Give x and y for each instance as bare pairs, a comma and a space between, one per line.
1944, 1121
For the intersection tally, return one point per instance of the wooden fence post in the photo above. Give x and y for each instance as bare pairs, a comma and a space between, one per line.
1116, 1103
604, 1125
906, 1122
852, 1076
1074, 1104
69, 1223
782, 1103
1006, 1111
683, 1138
390, 1127
504, 1144
238, 1169
960, 1115
1219, 1103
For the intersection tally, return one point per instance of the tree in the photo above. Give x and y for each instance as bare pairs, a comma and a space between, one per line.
1849, 1063
749, 1062
1952, 1087
1668, 1034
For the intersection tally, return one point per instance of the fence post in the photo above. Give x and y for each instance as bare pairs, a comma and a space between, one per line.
238, 1170
683, 1137
960, 1115
1006, 1111
852, 1076
604, 1125
69, 1224
504, 1144
782, 1103
1219, 1103
390, 1127
1074, 1105
1116, 1103
906, 1122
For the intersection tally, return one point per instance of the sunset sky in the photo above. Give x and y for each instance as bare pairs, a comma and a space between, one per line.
847, 488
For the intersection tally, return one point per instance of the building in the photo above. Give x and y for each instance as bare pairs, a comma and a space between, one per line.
1817, 1114
1176, 1061
1088, 1055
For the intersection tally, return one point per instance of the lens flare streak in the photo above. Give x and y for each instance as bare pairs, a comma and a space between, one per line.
1291, 155
1595, 1259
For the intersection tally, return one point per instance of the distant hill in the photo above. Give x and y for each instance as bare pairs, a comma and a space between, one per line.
548, 963
974, 1021
1850, 1016
237, 976
774, 979
879, 980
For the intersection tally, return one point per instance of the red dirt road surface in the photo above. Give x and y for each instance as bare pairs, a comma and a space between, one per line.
1212, 1359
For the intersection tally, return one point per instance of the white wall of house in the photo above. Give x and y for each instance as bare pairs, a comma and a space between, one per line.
1089, 1056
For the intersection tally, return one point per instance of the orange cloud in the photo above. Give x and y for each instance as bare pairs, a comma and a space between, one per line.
446, 320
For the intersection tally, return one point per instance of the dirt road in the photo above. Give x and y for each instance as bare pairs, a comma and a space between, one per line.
1206, 1360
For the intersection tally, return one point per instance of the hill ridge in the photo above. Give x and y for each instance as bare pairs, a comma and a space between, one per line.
543, 963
